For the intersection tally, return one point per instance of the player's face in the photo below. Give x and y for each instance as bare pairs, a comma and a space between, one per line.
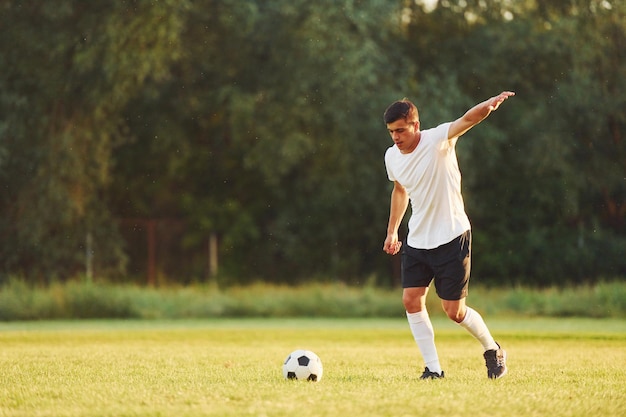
404, 134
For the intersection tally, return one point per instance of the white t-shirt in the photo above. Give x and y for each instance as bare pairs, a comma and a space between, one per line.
432, 179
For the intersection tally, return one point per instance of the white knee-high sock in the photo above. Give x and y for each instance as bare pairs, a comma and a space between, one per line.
474, 323
424, 336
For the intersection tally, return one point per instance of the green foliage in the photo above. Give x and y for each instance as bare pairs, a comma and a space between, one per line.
542, 204
260, 122
85, 62
83, 300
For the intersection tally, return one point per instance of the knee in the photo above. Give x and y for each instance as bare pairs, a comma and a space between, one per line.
455, 314
412, 304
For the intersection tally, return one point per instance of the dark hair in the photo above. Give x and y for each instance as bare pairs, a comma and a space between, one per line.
401, 109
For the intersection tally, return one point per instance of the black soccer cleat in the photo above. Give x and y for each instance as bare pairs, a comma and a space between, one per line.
431, 375
495, 360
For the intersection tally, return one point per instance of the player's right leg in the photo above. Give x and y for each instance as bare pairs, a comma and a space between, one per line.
414, 300
416, 277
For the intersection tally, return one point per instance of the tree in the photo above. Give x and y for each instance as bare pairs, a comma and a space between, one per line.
74, 65
539, 200
273, 136
259, 122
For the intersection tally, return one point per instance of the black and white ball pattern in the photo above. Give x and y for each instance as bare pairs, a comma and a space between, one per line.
303, 365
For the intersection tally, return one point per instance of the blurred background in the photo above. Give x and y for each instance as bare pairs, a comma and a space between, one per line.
237, 141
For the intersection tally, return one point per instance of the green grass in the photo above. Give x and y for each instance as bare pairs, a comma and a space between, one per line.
231, 367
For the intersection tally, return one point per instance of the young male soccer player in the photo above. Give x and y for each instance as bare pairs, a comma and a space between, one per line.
424, 168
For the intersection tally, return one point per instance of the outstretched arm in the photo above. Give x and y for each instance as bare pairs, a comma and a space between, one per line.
476, 114
399, 204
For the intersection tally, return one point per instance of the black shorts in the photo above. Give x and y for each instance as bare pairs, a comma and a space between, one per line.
448, 264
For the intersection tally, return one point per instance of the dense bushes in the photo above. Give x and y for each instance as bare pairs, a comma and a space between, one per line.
75, 300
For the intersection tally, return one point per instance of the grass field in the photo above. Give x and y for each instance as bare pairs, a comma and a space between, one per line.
230, 367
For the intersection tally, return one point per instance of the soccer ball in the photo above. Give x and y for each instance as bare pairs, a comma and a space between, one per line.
303, 365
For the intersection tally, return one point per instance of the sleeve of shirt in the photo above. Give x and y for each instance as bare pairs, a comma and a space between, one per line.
388, 165
442, 135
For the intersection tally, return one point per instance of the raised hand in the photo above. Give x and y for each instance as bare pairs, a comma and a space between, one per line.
497, 100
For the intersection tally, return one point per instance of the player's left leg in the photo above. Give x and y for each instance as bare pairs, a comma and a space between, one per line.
469, 319
451, 283
472, 321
